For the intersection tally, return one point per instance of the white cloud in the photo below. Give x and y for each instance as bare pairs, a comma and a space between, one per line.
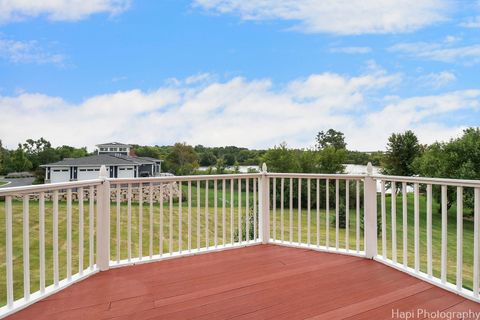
239, 112
59, 10
338, 16
472, 22
437, 80
351, 50
27, 52
442, 51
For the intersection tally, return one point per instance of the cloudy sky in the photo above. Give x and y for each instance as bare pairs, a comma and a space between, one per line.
249, 73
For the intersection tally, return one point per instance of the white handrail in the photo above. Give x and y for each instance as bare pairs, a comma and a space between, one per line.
49, 187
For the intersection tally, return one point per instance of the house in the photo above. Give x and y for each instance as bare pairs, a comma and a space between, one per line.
117, 157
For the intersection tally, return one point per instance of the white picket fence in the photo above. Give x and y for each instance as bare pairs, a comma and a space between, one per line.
92, 227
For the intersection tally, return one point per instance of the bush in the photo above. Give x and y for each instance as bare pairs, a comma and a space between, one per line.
342, 217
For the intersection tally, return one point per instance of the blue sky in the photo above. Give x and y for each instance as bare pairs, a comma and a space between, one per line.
248, 73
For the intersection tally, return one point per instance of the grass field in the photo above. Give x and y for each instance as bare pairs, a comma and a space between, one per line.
3, 183
34, 244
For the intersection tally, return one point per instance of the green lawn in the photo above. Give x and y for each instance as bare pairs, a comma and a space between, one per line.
3, 183
34, 245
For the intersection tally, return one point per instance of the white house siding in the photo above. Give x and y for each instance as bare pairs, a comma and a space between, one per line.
60, 174
126, 172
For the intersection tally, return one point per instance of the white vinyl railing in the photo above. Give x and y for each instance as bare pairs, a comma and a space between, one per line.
54, 203
57, 234
457, 258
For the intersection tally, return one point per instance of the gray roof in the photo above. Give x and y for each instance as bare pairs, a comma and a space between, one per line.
137, 160
113, 144
150, 159
100, 159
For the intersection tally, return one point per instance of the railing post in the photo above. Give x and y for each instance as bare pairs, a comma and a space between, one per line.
264, 203
103, 221
370, 212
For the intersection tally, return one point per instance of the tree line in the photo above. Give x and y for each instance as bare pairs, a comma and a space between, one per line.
404, 155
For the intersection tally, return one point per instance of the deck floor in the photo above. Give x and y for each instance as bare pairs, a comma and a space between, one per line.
258, 282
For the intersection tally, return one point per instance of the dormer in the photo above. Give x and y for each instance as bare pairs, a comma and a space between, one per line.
113, 148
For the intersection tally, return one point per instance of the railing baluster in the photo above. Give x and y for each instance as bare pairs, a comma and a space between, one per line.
239, 210
299, 217
384, 220
476, 244
255, 209
318, 212
459, 238
337, 214
189, 216
282, 209
291, 211
9, 250
180, 217
91, 206
347, 215
247, 210
394, 221
198, 216
80, 231
308, 210
327, 214
118, 208
150, 222
417, 226
405, 225
215, 213
26, 248
224, 232
232, 201
207, 242
429, 230
69, 234
160, 236
41, 209
357, 218
170, 218
444, 235
129, 222
55, 238
274, 208
140, 221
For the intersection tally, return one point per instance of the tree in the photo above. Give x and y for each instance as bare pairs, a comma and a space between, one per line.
402, 150
147, 151
182, 160
208, 159
17, 161
2, 158
220, 166
331, 138
459, 158
331, 160
281, 159
39, 152
229, 159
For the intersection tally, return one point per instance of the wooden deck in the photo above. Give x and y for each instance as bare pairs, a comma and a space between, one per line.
259, 282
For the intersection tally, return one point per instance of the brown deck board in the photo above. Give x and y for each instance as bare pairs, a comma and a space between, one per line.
259, 282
